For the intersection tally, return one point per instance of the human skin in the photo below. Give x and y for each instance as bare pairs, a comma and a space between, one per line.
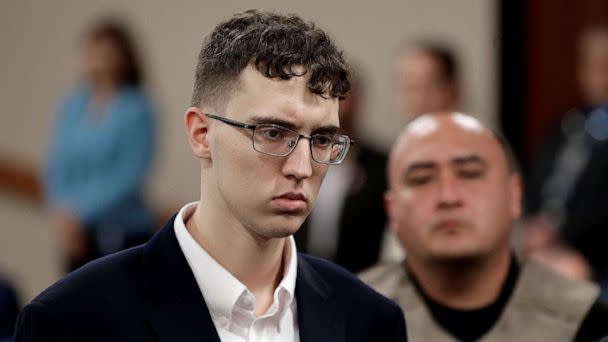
247, 209
452, 201
421, 86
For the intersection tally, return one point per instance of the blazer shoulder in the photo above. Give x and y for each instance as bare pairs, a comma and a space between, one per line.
347, 285
369, 315
107, 276
334, 274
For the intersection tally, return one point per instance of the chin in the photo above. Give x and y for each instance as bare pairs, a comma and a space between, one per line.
282, 228
280, 233
453, 254
277, 233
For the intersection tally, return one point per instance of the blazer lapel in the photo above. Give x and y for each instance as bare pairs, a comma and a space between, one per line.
319, 318
178, 311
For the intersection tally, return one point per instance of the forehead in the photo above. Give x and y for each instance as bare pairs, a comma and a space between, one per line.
417, 62
594, 42
257, 94
442, 139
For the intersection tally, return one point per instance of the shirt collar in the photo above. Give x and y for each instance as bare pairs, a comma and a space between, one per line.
290, 270
219, 287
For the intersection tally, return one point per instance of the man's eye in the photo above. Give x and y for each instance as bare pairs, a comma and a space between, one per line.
418, 180
470, 174
323, 140
272, 133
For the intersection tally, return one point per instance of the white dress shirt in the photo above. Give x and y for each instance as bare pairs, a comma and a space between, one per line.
230, 303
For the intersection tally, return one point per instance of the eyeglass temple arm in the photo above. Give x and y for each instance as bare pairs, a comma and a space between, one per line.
230, 122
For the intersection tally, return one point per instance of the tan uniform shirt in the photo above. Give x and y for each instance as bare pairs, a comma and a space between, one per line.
544, 306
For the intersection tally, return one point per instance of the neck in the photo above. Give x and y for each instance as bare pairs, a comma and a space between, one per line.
101, 96
464, 284
255, 261
104, 84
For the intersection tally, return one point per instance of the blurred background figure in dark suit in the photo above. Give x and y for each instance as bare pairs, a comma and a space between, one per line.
100, 152
347, 223
428, 79
566, 204
9, 307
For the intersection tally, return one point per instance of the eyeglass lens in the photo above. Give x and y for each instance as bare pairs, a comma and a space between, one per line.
279, 141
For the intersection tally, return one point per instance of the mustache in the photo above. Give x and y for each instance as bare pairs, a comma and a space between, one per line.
451, 222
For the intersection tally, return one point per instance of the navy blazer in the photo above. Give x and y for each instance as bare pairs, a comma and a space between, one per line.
149, 293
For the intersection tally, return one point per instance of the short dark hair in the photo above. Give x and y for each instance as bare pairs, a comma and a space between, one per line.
116, 31
274, 44
445, 57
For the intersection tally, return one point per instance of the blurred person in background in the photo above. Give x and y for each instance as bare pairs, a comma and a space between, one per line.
454, 194
428, 79
100, 152
566, 205
9, 307
347, 223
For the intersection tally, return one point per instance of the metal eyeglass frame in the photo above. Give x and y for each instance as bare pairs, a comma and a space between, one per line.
253, 127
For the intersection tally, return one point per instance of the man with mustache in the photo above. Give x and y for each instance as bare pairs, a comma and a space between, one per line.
264, 125
454, 194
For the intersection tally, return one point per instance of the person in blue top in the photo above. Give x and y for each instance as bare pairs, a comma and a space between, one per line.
100, 151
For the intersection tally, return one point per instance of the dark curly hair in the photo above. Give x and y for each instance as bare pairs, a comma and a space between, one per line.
274, 44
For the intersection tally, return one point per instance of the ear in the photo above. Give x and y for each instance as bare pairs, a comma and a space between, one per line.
388, 207
516, 188
197, 131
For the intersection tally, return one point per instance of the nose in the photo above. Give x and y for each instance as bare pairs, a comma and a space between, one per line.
298, 164
450, 196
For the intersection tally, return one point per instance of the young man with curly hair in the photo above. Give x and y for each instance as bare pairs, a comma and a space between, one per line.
264, 126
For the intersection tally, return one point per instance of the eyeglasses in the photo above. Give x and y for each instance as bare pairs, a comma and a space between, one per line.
279, 141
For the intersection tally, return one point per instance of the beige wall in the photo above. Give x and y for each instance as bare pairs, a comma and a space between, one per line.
39, 59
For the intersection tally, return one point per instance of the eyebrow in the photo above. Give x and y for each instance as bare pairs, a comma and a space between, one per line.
475, 159
426, 165
420, 166
288, 124
272, 120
